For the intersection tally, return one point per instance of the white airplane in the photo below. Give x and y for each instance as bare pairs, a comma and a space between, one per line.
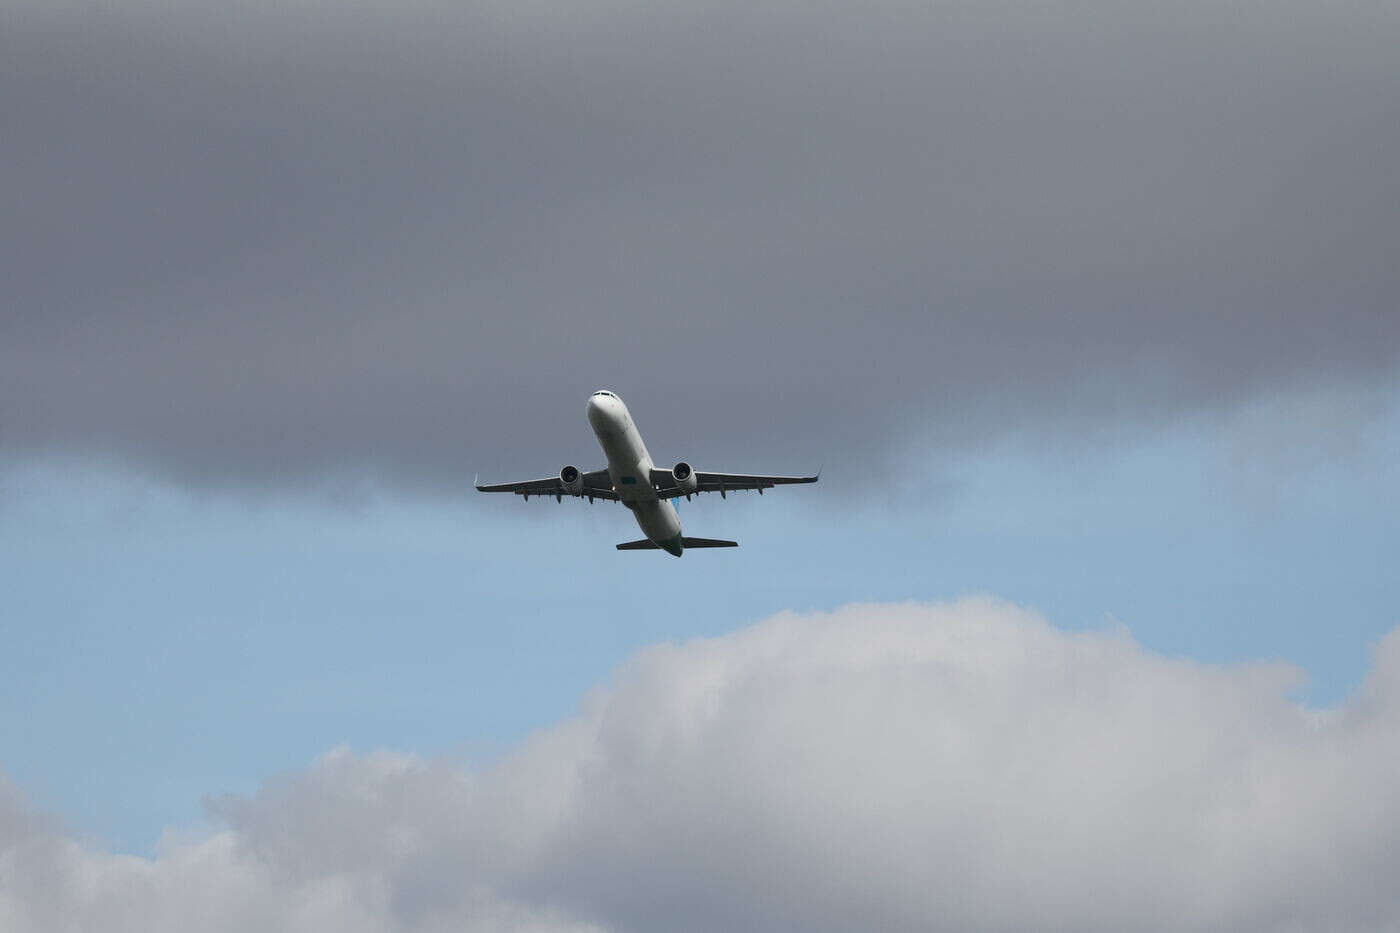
632, 479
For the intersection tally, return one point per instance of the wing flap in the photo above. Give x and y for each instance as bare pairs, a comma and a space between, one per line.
596, 485
722, 483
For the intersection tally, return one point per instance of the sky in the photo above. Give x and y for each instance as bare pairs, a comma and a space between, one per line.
1089, 313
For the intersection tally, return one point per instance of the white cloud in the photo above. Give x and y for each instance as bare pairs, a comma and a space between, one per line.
912, 766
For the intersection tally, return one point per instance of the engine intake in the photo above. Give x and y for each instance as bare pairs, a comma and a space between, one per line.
685, 478
572, 480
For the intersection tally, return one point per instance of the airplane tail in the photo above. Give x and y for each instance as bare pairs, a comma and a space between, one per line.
647, 545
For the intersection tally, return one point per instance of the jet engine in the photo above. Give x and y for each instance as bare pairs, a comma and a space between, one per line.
685, 478
572, 480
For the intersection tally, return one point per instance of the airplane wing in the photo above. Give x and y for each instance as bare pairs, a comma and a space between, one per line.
722, 483
596, 485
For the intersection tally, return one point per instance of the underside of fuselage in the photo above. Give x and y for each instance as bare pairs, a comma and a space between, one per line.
629, 468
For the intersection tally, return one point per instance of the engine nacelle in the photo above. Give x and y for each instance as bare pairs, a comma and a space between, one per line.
572, 480
685, 478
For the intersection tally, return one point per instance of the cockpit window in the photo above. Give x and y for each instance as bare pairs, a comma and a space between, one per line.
605, 392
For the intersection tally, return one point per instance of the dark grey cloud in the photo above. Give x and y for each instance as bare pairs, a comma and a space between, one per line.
253, 243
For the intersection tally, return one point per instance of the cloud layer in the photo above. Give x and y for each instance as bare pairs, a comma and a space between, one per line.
911, 766
254, 242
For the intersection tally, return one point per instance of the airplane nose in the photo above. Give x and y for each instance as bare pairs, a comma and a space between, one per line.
597, 408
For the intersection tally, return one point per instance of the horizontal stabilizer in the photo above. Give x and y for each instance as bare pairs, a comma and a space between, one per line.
645, 545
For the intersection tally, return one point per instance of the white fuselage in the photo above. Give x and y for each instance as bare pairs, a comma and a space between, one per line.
630, 466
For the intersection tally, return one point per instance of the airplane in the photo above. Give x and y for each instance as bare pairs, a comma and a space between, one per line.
632, 479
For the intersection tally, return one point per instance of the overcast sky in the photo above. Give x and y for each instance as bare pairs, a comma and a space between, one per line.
1088, 306
251, 243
